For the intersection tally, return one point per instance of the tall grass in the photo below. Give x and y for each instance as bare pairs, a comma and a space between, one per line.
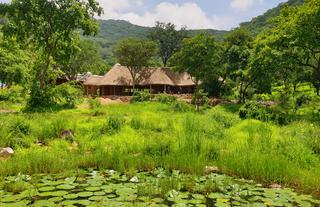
144, 136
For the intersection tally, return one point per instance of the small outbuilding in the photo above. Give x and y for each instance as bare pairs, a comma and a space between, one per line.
118, 82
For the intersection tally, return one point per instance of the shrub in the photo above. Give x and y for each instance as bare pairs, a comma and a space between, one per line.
113, 124
201, 97
15, 133
257, 111
67, 95
136, 123
225, 120
14, 94
180, 106
16, 187
249, 110
302, 99
165, 98
40, 99
94, 103
20, 126
262, 97
141, 96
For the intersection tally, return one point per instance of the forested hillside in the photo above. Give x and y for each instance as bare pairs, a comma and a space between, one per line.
112, 31
257, 24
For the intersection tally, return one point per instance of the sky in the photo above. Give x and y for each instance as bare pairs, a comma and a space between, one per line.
194, 14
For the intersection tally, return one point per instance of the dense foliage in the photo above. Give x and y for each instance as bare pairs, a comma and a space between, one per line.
136, 54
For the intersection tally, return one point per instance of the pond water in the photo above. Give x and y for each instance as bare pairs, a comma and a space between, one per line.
157, 188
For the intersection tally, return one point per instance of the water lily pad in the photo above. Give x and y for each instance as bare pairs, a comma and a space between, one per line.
85, 194
83, 202
69, 202
12, 198
44, 203
111, 196
71, 196
65, 187
53, 193
98, 198
93, 189
46, 188
99, 193
157, 200
16, 204
56, 199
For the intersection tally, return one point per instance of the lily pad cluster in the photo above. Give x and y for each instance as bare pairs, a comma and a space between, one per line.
157, 188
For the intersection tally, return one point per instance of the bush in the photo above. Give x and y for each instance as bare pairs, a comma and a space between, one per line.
302, 99
141, 96
201, 97
67, 95
113, 125
180, 106
20, 126
262, 97
249, 110
40, 99
257, 111
225, 119
165, 98
136, 123
15, 132
94, 103
14, 94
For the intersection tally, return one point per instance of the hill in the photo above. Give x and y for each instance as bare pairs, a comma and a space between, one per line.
257, 24
112, 31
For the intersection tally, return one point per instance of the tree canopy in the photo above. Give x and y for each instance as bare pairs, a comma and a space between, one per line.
85, 59
291, 49
51, 27
136, 54
199, 56
168, 39
15, 63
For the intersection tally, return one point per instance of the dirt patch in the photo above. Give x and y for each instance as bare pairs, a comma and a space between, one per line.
8, 111
115, 100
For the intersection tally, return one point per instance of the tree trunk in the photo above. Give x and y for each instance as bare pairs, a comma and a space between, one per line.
165, 62
43, 72
241, 92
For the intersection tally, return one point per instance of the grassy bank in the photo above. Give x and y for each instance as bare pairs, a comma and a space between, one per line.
144, 136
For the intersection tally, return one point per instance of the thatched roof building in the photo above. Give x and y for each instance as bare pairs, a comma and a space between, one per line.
118, 81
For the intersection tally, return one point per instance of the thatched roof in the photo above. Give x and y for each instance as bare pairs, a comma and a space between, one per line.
93, 80
120, 76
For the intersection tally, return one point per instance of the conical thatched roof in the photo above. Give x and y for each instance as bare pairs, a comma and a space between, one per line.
120, 76
93, 80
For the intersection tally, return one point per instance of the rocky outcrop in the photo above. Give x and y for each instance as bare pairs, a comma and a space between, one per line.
211, 169
6, 152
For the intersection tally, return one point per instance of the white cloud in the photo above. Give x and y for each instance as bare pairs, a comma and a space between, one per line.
244, 5
186, 14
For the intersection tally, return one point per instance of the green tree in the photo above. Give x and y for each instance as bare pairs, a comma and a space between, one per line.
200, 57
50, 27
290, 50
15, 63
168, 39
136, 54
85, 59
237, 49
305, 38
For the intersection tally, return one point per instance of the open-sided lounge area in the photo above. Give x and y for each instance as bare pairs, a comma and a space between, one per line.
118, 82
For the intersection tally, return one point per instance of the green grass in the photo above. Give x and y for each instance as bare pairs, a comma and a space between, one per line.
144, 136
